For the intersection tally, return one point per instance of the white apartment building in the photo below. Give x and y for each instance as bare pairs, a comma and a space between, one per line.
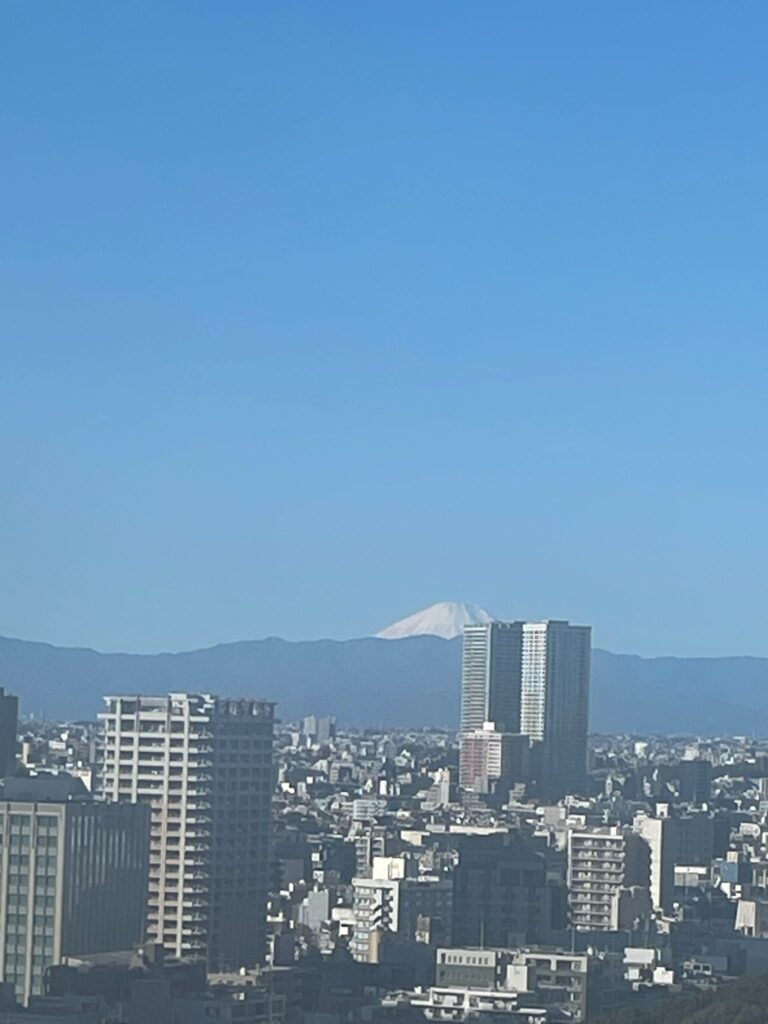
204, 765
661, 835
490, 676
474, 1004
390, 902
608, 878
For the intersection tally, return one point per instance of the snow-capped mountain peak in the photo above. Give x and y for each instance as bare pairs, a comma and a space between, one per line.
446, 619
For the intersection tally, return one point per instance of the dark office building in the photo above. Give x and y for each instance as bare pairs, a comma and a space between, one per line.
500, 896
695, 782
9, 720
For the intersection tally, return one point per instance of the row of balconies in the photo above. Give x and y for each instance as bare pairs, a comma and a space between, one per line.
604, 846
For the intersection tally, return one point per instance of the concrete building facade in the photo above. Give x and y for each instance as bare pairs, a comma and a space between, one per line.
389, 901
204, 766
73, 877
9, 721
554, 701
492, 759
609, 878
490, 676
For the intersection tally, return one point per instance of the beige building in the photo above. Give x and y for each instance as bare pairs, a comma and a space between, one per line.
73, 877
204, 766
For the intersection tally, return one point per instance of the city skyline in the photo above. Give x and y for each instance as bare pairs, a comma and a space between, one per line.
357, 361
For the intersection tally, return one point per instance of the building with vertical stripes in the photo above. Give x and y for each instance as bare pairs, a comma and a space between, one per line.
73, 877
203, 764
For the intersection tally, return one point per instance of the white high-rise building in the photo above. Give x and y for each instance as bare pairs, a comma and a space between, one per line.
490, 676
204, 765
531, 678
490, 690
555, 701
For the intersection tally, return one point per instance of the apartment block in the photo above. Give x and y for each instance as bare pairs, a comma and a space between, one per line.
608, 878
203, 764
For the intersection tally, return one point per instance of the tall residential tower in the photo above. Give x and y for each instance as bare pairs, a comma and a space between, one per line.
555, 701
204, 764
490, 676
531, 678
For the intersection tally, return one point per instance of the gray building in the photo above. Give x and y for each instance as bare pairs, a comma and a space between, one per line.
490, 676
73, 877
490, 688
531, 678
572, 985
555, 702
501, 892
9, 720
204, 765
390, 902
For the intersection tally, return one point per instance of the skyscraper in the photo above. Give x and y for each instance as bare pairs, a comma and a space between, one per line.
73, 879
531, 678
490, 676
204, 764
555, 701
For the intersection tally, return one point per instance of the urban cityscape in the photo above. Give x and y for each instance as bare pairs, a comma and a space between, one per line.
192, 856
319, 321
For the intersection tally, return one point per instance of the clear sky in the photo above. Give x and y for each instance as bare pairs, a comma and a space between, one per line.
315, 313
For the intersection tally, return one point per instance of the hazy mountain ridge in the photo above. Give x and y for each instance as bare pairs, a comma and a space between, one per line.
413, 681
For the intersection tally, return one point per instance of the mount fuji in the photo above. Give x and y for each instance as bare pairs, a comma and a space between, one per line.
446, 619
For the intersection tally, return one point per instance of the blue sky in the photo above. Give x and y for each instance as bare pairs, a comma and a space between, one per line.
314, 314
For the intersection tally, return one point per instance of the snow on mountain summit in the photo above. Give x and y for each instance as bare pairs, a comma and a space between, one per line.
446, 619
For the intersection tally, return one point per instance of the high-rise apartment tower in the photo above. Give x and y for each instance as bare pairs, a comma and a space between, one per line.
531, 678
490, 676
555, 701
204, 764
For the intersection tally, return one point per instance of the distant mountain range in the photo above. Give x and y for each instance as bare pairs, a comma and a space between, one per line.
409, 681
